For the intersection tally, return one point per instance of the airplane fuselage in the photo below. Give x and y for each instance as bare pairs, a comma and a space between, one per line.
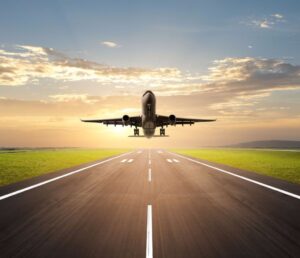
148, 114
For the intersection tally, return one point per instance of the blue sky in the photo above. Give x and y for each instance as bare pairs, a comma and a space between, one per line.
185, 34
238, 61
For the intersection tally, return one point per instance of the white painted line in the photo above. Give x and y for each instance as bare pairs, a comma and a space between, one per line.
149, 161
130, 160
176, 160
139, 152
159, 152
169, 160
149, 175
124, 160
2, 197
149, 243
242, 177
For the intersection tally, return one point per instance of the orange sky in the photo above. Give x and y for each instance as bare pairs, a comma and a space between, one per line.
44, 93
56, 123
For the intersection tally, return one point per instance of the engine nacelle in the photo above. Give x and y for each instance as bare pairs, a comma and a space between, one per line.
126, 120
172, 119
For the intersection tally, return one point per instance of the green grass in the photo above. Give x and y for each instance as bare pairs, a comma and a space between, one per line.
19, 165
280, 164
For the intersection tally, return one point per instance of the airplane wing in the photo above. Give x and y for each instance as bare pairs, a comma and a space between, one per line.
132, 121
165, 120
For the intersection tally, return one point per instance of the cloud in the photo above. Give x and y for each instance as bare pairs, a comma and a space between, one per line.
222, 91
265, 24
110, 44
247, 76
68, 105
237, 78
234, 87
250, 74
268, 22
277, 16
30, 63
66, 98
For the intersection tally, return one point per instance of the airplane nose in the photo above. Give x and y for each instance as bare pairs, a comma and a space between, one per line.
148, 97
148, 94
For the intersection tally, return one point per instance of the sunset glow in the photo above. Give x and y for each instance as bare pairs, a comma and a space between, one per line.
70, 62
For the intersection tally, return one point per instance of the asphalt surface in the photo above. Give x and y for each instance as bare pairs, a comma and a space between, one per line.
196, 212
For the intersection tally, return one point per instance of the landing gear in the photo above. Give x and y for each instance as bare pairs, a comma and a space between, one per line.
162, 132
136, 132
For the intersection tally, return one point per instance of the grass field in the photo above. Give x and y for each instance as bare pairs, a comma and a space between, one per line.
19, 165
280, 164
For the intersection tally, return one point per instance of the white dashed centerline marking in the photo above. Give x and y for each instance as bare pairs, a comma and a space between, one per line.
242, 177
160, 152
175, 160
2, 197
149, 243
126, 160
149, 175
169, 160
149, 161
139, 152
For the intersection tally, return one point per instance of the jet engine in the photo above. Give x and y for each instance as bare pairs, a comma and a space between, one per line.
172, 119
126, 120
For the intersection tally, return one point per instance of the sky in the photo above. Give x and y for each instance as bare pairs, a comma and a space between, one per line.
236, 61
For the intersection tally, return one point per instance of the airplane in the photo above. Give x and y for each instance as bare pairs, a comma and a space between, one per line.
149, 120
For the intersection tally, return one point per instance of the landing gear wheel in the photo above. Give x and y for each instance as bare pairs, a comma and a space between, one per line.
136, 132
162, 132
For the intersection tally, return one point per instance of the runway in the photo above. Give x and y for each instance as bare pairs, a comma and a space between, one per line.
150, 203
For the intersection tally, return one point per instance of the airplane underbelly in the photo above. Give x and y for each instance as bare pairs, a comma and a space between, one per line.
149, 128
148, 125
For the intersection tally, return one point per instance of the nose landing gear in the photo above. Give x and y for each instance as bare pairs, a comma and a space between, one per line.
162, 132
136, 132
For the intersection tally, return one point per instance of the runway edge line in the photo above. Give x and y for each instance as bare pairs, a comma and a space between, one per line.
241, 177
5, 196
